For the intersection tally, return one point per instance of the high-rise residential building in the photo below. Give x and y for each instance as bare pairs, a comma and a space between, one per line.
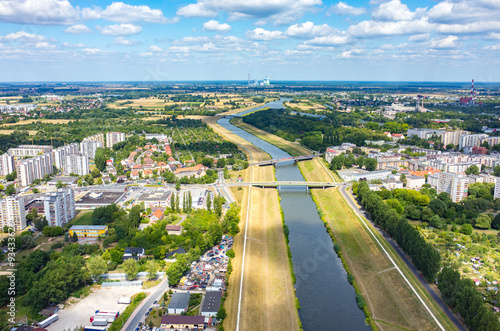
471, 140
77, 163
423, 133
492, 141
453, 137
7, 164
29, 150
61, 152
88, 147
114, 138
97, 137
37, 167
59, 207
456, 185
12, 213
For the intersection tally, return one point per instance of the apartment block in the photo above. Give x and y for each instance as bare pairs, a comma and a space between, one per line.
414, 182
7, 164
35, 168
89, 147
12, 213
97, 137
77, 163
453, 137
455, 185
60, 207
114, 138
492, 141
424, 133
29, 150
471, 140
61, 152
496, 194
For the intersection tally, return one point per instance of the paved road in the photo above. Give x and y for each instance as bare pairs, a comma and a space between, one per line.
446, 309
139, 314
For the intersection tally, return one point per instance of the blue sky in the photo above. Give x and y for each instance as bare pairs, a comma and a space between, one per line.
89, 40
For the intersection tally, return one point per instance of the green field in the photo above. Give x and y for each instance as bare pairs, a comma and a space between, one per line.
84, 217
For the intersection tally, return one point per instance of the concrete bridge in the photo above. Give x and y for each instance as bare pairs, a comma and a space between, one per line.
275, 161
278, 184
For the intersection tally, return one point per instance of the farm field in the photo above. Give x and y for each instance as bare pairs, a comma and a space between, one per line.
57, 121
30, 132
390, 300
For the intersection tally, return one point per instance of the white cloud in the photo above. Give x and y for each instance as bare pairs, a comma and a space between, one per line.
213, 25
329, 40
419, 37
343, 9
493, 36
345, 55
94, 51
394, 10
191, 41
41, 45
79, 45
155, 49
78, 29
121, 30
308, 30
126, 42
22, 37
493, 47
469, 28
38, 12
264, 35
464, 11
120, 12
443, 42
373, 28
280, 11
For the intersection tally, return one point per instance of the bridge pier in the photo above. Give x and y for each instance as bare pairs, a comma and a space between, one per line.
307, 189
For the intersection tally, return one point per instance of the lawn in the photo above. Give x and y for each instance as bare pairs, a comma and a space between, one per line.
84, 217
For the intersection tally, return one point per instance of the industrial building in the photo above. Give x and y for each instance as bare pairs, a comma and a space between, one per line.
211, 303
179, 303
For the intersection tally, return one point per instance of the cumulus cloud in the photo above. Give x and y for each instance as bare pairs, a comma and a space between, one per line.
264, 35
330, 40
443, 42
213, 25
464, 11
280, 11
22, 37
394, 10
343, 9
94, 51
120, 12
126, 42
41, 45
367, 29
39, 12
492, 47
155, 49
78, 29
79, 45
469, 28
121, 30
308, 30
419, 37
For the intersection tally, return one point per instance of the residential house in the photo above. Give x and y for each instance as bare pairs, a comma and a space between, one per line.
133, 253
169, 322
174, 229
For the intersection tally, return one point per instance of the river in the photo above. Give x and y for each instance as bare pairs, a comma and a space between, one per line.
327, 300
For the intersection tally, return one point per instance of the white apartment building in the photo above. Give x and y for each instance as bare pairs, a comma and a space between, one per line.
7, 164
114, 138
35, 168
159, 136
97, 137
455, 185
29, 150
12, 213
60, 207
471, 140
492, 141
61, 152
89, 147
424, 133
496, 194
453, 137
414, 182
76, 164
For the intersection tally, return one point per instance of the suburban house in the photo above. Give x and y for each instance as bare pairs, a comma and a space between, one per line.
133, 253
174, 229
156, 216
179, 250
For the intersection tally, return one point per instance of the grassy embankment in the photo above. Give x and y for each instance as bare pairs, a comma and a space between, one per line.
390, 301
268, 296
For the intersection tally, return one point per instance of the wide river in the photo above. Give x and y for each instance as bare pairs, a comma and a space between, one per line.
327, 300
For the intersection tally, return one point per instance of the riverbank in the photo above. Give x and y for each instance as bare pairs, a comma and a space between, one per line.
268, 296
390, 301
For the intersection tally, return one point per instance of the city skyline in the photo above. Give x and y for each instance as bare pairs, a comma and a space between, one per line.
59, 40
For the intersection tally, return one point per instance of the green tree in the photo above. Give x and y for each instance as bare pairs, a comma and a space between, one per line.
12, 176
151, 269
483, 221
100, 159
496, 170
370, 164
95, 173
130, 268
10, 190
403, 179
96, 266
75, 237
473, 169
495, 224
466, 229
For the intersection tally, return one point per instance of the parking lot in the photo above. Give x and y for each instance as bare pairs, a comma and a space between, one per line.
103, 299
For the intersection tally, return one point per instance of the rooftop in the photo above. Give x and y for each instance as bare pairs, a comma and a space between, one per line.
89, 227
212, 301
179, 301
185, 320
